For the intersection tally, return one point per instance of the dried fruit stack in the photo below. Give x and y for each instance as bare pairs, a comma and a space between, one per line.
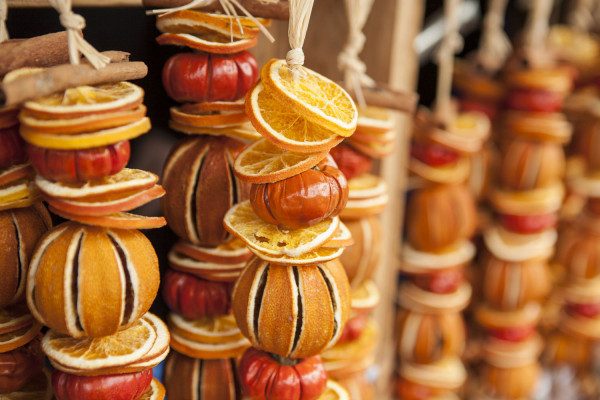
293, 298
441, 218
516, 277
23, 221
92, 280
211, 82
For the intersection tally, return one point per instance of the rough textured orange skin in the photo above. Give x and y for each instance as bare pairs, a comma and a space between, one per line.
214, 193
217, 379
530, 279
527, 165
510, 383
440, 215
436, 337
28, 224
100, 305
362, 258
276, 320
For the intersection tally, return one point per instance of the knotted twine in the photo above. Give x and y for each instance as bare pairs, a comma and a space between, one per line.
300, 11
3, 15
355, 70
494, 45
74, 24
229, 8
451, 44
581, 18
536, 31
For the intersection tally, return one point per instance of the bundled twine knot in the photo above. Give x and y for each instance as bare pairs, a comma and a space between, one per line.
495, 45
74, 24
300, 11
3, 16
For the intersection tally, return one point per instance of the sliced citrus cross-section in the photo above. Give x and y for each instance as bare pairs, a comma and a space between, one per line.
241, 221
211, 42
263, 162
121, 220
315, 97
283, 126
243, 131
201, 23
320, 255
208, 118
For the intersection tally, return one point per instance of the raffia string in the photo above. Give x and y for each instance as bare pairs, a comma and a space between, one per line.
355, 70
494, 45
536, 30
74, 24
229, 8
581, 18
451, 44
300, 11
3, 16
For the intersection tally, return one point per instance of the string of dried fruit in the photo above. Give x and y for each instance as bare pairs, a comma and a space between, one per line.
92, 280
516, 276
211, 81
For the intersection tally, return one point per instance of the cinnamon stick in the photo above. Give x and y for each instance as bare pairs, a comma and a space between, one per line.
275, 9
383, 96
62, 77
40, 51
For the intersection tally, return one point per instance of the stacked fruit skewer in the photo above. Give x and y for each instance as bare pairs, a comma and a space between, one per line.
441, 217
93, 279
516, 277
23, 220
201, 188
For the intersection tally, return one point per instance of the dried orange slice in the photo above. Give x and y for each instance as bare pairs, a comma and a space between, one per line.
263, 162
374, 120
244, 131
212, 42
231, 252
19, 337
17, 191
360, 208
242, 222
83, 100
213, 271
125, 180
318, 99
156, 391
88, 140
221, 329
210, 118
334, 391
120, 220
373, 150
342, 238
87, 123
199, 23
365, 297
320, 255
121, 348
16, 173
39, 387
283, 126
14, 318
199, 108
366, 186
20, 203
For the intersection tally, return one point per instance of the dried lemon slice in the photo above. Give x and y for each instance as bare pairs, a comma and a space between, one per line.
263, 162
241, 221
82, 100
122, 348
315, 97
283, 126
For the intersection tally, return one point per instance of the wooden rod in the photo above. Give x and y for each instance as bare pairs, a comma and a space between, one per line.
39, 51
275, 9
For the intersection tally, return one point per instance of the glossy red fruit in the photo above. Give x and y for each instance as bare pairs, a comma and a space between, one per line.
72, 166
12, 147
433, 154
534, 100
264, 378
195, 298
103, 387
442, 281
354, 328
513, 333
591, 310
17, 367
528, 223
201, 77
351, 162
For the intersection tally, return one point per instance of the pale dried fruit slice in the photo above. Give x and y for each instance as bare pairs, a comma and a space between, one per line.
231, 252
83, 100
360, 208
342, 238
283, 126
208, 118
17, 191
334, 391
118, 220
214, 42
16, 173
126, 179
241, 221
19, 337
20, 203
320, 255
201, 23
244, 131
315, 97
263, 162
209, 351
366, 186
374, 120
213, 271
215, 330
365, 297
373, 149
156, 391
88, 140
14, 318
121, 348
87, 123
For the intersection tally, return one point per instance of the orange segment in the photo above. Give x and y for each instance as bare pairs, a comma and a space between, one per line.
200, 23
243, 131
318, 99
211, 43
88, 140
82, 100
282, 125
263, 162
266, 238
208, 119
121, 348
